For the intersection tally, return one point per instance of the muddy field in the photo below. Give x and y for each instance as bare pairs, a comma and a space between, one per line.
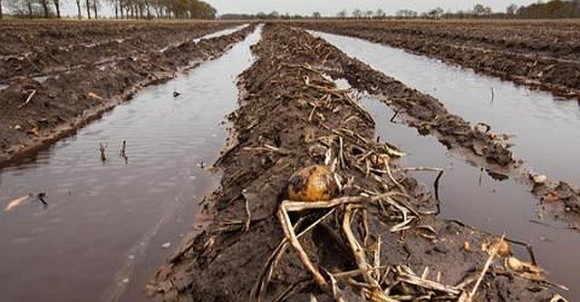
375, 232
54, 86
37, 49
542, 54
293, 115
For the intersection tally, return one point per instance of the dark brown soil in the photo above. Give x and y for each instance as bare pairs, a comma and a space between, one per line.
48, 48
291, 114
59, 105
541, 55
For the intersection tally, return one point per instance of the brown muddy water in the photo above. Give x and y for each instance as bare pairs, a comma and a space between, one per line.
546, 130
107, 225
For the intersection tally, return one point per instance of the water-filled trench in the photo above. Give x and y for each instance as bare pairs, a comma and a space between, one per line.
546, 130
108, 225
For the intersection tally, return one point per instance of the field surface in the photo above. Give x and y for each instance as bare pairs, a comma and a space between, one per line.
421, 198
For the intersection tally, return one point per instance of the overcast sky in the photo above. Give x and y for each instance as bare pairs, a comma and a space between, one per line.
331, 7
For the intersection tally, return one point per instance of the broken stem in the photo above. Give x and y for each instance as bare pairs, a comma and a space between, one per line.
486, 266
28, 99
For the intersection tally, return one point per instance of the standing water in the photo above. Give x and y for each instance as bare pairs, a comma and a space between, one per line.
109, 224
546, 130
475, 198
471, 195
220, 33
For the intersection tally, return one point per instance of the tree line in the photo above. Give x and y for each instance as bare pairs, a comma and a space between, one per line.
196, 9
123, 9
551, 9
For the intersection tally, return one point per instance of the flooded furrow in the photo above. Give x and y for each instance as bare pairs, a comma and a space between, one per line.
471, 195
109, 224
545, 130
220, 33
216, 34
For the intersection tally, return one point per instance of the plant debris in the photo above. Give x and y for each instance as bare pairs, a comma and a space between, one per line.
379, 239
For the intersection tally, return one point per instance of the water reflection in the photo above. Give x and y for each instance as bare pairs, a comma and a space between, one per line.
471, 195
105, 224
546, 131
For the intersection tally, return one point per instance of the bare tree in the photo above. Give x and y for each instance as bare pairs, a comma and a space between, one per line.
88, 5
341, 14
1, 15
316, 15
44, 4
357, 13
407, 13
57, 7
369, 14
28, 8
78, 2
512, 9
115, 4
379, 14
95, 5
435, 13
480, 10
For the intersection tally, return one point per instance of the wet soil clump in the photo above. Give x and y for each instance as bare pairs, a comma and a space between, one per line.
380, 240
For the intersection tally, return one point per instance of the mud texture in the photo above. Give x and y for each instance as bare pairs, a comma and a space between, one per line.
35, 113
542, 55
44, 48
292, 115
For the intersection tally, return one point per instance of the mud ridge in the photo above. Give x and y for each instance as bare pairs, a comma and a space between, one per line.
292, 116
51, 48
36, 114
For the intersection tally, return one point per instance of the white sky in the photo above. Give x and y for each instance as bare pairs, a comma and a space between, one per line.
331, 8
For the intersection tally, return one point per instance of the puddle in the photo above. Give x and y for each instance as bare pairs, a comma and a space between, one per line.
3, 86
468, 194
102, 234
42, 79
546, 130
216, 34
220, 33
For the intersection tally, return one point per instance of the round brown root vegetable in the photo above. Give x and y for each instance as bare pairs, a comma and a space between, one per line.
312, 183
